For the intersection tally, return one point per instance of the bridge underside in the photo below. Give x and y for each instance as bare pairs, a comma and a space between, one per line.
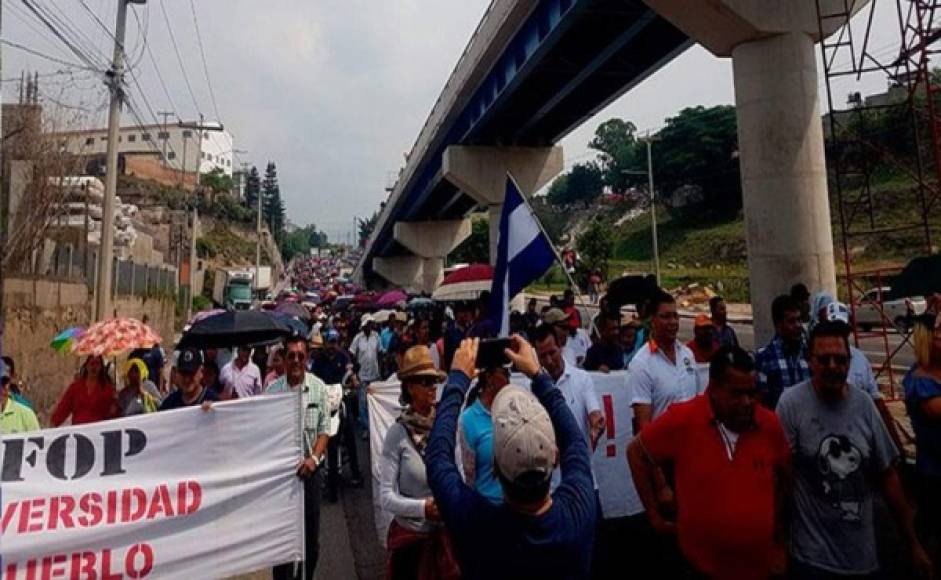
568, 60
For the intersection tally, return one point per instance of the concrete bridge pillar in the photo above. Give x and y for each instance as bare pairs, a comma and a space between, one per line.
402, 271
780, 136
481, 173
431, 242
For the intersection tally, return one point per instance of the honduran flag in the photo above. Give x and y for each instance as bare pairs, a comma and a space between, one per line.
523, 255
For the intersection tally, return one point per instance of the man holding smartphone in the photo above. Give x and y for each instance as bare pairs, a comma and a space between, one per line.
533, 534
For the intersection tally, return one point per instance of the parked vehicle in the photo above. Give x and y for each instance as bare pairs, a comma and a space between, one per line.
232, 289
899, 312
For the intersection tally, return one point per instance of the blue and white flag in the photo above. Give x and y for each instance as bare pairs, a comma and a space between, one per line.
523, 255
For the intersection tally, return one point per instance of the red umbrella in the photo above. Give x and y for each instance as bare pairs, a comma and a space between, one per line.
465, 284
364, 298
472, 273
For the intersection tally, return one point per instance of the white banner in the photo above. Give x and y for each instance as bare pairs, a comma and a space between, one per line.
175, 494
609, 461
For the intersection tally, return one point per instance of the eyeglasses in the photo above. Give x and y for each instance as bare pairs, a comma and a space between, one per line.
839, 360
295, 356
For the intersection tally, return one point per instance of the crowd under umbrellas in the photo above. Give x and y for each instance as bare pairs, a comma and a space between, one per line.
323, 332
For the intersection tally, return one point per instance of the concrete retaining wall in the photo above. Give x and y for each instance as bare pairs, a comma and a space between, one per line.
38, 309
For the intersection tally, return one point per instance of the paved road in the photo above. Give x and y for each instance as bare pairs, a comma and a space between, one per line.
349, 546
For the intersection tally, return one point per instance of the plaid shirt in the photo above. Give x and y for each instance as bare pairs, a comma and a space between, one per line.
315, 415
779, 369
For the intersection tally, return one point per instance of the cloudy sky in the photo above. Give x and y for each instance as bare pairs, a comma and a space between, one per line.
333, 91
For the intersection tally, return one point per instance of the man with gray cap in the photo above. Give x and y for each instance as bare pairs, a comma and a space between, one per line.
532, 534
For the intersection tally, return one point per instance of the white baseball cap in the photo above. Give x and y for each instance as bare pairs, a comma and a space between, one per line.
523, 438
838, 312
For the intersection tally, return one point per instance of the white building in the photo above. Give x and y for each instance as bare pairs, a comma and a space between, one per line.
181, 148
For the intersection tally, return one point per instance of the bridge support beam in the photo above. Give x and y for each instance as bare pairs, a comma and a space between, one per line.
780, 136
431, 241
481, 173
402, 271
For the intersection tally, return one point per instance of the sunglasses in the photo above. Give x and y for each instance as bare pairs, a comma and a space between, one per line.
836, 359
295, 356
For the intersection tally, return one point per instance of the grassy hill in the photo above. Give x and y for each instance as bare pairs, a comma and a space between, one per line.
708, 250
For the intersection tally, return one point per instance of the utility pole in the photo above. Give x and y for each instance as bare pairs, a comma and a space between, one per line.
192, 258
116, 84
258, 240
192, 272
166, 137
653, 209
653, 200
201, 126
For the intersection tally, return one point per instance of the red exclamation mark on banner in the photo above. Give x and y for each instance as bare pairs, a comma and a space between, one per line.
608, 401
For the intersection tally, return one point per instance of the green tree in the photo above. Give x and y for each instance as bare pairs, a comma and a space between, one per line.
583, 184
216, 180
366, 226
699, 147
558, 193
301, 240
272, 204
252, 188
586, 183
595, 246
618, 153
476, 248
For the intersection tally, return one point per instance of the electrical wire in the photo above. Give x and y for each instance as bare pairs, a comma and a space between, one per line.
179, 58
35, 52
61, 34
163, 83
23, 16
202, 52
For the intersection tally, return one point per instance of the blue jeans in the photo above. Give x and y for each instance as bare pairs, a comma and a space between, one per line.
363, 418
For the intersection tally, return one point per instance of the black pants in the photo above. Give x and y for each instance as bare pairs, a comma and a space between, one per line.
312, 488
346, 437
619, 541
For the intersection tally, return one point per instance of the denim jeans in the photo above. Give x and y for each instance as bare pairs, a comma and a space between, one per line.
363, 418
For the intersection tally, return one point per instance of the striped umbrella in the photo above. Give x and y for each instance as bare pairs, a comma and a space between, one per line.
65, 341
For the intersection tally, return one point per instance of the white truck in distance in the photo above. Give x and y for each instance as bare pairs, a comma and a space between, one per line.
263, 280
232, 288
899, 312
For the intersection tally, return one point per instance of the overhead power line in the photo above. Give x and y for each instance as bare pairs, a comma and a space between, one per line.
35, 52
179, 58
202, 52
71, 44
153, 62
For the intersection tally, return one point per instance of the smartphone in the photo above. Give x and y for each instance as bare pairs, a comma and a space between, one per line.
490, 353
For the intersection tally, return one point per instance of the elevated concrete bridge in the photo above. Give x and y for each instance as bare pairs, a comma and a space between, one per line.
536, 69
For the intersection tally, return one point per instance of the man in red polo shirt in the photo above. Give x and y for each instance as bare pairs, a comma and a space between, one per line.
730, 462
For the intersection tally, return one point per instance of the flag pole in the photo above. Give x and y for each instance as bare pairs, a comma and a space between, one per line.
558, 257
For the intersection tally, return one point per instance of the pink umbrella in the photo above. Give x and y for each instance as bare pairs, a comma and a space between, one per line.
391, 298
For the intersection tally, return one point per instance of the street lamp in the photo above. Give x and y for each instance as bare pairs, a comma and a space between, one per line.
653, 207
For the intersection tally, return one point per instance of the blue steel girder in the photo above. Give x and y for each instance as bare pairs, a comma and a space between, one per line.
528, 50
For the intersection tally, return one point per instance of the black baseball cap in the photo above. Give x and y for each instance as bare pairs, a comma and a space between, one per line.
190, 360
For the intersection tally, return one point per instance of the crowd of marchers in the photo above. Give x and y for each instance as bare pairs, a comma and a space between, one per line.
771, 467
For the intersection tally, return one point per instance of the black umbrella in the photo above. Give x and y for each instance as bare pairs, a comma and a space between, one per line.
921, 277
294, 324
294, 310
631, 290
234, 328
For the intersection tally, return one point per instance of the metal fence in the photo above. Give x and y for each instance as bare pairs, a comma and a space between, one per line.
128, 278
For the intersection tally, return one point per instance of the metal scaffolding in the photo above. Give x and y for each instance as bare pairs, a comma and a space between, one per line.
883, 151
